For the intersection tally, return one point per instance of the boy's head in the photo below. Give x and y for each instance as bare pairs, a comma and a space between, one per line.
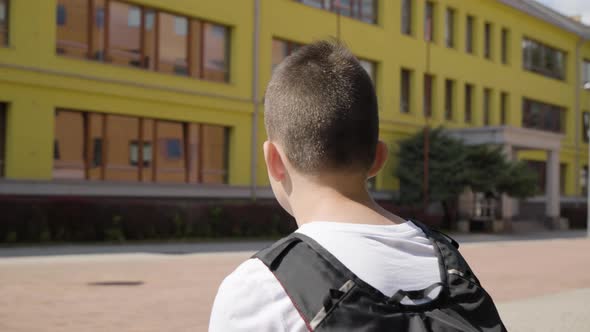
321, 113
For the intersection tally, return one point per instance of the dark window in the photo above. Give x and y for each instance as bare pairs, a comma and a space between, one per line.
585, 125
542, 59
405, 96
505, 45
450, 28
364, 10
428, 85
4, 10
487, 46
469, 34
449, 99
542, 116
562, 177
584, 180
61, 15
2, 138
540, 168
487, 99
173, 148
586, 72
429, 21
97, 152
504, 108
407, 17
468, 102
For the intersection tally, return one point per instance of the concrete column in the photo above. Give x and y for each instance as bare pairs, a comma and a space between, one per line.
552, 189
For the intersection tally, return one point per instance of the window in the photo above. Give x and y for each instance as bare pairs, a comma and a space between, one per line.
487, 99
72, 30
429, 21
2, 138
407, 17
539, 168
124, 34
449, 99
173, 42
364, 10
542, 59
584, 180
216, 62
586, 71
450, 28
282, 49
96, 146
469, 34
142, 37
369, 66
61, 15
562, 177
542, 116
468, 103
69, 140
487, 45
504, 108
134, 155
214, 154
405, 95
428, 85
4, 10
505, 45
585, 125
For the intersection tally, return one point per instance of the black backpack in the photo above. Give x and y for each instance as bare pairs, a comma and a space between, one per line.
329, 297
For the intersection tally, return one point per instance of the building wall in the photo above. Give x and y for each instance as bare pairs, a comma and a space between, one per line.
34, 81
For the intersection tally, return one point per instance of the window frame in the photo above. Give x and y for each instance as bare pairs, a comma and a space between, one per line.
450, 17
530, 45
406, 80
406, 20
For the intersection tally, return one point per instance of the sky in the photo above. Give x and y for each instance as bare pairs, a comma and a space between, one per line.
571, 8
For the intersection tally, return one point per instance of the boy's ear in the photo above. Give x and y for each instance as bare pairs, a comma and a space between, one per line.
380, 158
274, 161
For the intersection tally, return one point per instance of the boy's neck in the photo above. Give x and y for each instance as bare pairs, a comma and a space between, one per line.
338, 200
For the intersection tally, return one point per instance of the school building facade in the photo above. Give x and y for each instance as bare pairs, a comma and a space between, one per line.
153, 98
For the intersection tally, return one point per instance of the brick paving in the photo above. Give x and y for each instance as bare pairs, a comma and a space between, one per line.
175, 292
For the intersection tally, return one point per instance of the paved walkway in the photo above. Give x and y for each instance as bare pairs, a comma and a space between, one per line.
539, 285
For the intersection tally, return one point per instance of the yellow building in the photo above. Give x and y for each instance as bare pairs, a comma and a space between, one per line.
164, 98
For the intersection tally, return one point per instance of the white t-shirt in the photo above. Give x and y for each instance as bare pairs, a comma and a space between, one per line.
387, 257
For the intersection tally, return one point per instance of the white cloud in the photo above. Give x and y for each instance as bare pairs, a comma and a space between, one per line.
570, 8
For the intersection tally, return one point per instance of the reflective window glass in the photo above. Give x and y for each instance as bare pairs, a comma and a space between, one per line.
4, 22
215, 53
98, 31
149, 39
72, 28
170, 163
68, 145
124, 34
120, 132
173, 50
214, 154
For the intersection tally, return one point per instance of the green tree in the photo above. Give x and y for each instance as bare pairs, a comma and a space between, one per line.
454, 166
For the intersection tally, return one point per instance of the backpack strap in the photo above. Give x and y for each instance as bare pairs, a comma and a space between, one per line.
450, 259
313, 279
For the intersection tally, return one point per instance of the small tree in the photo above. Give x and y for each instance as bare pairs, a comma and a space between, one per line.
454, 166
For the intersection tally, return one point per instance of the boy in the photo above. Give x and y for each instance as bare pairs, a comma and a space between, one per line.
322, 121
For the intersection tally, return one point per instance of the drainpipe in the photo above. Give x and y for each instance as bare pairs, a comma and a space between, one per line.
255, 102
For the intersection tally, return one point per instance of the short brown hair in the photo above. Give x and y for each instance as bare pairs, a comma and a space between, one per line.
321, 106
